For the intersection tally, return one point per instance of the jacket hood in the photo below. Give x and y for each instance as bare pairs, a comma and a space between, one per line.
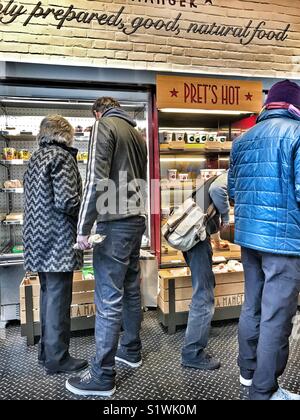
119, 113
278, 113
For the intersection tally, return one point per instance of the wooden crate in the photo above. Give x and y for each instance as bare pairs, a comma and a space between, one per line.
82, 299
229, 291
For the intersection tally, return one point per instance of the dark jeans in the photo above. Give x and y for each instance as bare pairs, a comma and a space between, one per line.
56, 298
117, 294
199, 259
272, 290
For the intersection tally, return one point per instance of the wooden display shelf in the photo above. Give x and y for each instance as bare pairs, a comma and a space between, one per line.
83, 293
174, 257
176, 293
82, 309
209, 147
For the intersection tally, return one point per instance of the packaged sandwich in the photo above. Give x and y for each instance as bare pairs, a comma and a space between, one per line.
24, 154
9, 153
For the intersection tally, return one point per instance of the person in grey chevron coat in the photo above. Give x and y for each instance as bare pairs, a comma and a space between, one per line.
53, 189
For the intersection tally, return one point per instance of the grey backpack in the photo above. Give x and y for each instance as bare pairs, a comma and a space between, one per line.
193, 220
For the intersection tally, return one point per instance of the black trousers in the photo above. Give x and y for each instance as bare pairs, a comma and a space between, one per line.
56, 298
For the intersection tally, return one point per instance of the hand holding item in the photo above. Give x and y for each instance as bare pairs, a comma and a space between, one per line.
225, 226
88, 242
82, 243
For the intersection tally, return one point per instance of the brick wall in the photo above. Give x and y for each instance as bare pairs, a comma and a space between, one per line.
104, 46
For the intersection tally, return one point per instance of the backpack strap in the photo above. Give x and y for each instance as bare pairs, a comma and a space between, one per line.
206, 183
211, 212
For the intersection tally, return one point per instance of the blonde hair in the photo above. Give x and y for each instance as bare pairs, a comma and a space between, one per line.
56, 128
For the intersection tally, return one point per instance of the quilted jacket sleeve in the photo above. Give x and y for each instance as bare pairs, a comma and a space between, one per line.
297, 170
231, 174
67, 194
101, 150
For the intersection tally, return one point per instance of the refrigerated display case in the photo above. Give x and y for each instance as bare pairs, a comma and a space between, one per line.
20, 117
190, 154
193, 148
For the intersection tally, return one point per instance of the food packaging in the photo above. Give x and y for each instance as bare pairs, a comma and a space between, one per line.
24, 154
183, 177
83, 156
18, 249
93, 240
179, 136
9, 153
17, 217
14, 183
172, 174
212, 137
88, 273
203, 138
191, 139
165, 137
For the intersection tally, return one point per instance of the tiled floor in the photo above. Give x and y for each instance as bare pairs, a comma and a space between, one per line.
161, 376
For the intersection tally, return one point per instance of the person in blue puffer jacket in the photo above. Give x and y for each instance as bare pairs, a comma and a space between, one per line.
264, 182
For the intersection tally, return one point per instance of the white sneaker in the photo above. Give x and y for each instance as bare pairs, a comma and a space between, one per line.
283, 395
246, 382
128, 363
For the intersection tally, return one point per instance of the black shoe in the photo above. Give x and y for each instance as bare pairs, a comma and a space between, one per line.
86, 386
70, 365
205, 362
131, 361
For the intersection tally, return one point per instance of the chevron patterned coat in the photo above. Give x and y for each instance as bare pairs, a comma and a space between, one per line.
53, 192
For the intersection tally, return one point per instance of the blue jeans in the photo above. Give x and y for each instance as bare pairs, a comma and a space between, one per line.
199, 259
271, 299
117, 294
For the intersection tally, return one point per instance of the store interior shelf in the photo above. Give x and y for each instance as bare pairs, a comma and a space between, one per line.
31, 137
169, 260
82, 139
12, 222
19, 137
12, 190
213, 147
14, 162
179, 185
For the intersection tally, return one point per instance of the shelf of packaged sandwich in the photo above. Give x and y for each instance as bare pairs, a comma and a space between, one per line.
17, 137
187, 185
12, 190
203, 148
176, 259
20, 162
12, 222
14, 162
8, 256
31, 137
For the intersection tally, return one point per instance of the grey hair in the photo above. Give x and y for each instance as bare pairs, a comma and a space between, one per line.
56, 128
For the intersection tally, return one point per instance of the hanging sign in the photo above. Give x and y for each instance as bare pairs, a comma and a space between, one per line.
209, 94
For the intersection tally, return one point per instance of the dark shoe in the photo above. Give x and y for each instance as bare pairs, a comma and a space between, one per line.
205, 362
70, 365
131, 361
86, 386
